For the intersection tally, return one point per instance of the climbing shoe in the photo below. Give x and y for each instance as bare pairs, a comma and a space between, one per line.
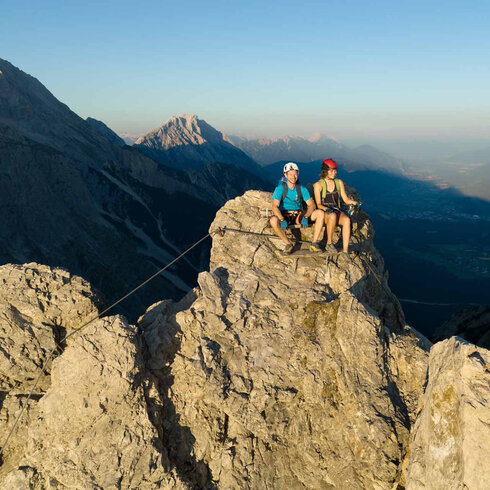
345, 254
331, 248
314, 247
287, 249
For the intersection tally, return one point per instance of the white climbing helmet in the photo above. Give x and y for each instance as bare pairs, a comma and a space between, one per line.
290, 166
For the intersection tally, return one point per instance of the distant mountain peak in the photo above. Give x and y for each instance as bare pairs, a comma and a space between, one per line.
317, 137
183, 117
184, 129
187, 141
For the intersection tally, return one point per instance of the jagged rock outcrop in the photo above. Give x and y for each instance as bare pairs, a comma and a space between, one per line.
275, 372
288, 372
451, 438
38, 307
90, 423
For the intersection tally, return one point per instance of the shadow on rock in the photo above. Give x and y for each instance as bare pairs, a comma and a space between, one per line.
159, 343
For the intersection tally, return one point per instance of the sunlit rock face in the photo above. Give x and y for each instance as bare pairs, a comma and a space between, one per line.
89, 422
288, 372
274, 372
451, 438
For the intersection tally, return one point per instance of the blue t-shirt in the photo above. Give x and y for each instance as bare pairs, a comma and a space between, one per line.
291, 201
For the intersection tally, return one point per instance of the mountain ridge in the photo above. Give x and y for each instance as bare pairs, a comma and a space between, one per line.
317, 147
186, 141
72, 198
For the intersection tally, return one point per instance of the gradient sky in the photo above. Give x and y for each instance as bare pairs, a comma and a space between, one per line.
352, 69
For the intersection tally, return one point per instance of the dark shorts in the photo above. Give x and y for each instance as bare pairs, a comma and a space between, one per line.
330, 211
290, 216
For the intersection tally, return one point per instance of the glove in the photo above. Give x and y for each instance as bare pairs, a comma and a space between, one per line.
304, 223
284, 224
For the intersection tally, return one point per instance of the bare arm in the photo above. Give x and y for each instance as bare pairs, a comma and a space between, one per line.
311, 207
317, 188
344, 195
275, 209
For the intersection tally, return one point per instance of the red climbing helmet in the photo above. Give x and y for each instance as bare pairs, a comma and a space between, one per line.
328, 164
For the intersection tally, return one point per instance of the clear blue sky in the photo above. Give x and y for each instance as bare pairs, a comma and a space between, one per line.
399, 68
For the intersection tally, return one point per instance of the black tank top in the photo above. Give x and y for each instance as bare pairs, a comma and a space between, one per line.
331, 198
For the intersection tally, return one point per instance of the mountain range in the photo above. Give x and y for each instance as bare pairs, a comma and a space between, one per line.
317, 148
73, 197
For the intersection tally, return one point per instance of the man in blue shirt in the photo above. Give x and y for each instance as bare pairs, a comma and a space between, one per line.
288, 211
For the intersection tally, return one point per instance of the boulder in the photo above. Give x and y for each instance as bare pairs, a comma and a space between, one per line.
92, 421
451, 436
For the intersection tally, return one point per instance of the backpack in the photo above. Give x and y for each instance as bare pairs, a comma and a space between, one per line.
299, 192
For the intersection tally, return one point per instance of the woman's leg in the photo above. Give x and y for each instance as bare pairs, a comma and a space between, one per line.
318, 217
344, 221
331, 222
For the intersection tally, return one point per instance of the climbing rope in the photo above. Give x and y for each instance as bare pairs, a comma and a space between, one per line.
370, 268
50, 355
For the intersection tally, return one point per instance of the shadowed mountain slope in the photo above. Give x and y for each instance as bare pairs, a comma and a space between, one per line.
72, 198
105, 131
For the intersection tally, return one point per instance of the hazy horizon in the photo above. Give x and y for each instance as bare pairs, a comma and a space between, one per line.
412, 148
351, 69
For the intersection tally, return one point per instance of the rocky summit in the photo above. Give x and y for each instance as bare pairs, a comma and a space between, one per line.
275, 372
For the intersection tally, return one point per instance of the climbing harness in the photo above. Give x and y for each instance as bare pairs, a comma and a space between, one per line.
64, 339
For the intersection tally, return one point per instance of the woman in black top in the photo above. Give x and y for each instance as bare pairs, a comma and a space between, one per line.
328, 191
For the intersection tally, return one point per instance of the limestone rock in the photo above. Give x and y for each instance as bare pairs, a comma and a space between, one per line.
93, 420
451, 437
288, 372
275, 372
39, 305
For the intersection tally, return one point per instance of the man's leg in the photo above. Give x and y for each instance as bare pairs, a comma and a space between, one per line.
276, 226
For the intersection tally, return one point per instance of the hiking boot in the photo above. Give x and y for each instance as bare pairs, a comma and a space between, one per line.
314, 247
287, 249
